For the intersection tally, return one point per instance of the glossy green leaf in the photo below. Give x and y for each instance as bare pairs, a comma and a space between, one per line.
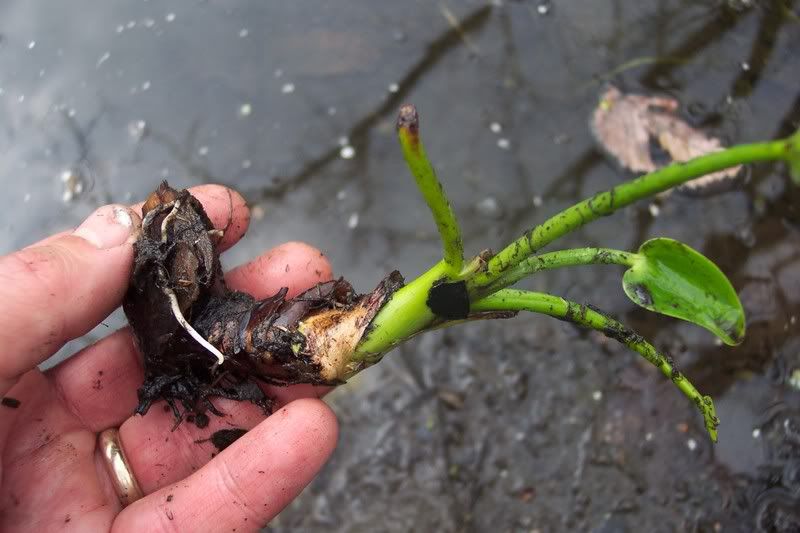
670, 278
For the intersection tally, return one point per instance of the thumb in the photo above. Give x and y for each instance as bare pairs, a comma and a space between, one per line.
61, 288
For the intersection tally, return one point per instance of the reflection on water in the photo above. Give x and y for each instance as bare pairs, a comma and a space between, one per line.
292, 103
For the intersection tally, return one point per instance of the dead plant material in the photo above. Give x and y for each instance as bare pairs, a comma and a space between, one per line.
201, 340
644, 133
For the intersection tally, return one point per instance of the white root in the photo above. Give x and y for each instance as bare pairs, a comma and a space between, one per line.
176, 310
167, 219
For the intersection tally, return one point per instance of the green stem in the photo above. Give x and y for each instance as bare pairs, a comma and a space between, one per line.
551, 260
431, 188
515, 300
404, 315
607, 202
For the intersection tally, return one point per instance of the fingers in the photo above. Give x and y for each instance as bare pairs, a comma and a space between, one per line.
57, 291
303, 265
99, 383
246, 485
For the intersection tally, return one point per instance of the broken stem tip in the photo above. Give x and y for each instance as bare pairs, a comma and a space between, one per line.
430, 187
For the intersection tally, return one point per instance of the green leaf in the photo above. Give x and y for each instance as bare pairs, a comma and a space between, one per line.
670, 278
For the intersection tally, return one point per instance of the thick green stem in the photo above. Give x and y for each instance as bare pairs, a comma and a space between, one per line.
515, 300
607, 202
551, 260
404, 315
431, 188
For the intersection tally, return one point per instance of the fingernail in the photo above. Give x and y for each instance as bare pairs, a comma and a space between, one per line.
109, 226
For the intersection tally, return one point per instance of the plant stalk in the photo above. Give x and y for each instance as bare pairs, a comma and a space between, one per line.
555, 306
605, 203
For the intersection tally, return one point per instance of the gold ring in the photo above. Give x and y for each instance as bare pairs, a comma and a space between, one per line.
119, 469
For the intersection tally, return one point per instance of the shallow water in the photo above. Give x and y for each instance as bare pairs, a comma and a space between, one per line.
523, 425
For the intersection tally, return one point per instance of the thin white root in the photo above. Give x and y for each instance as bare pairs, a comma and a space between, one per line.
176, 310
172, 214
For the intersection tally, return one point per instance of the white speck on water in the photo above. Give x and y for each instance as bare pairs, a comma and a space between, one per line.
170, 17
278, 73
31, 45
495, 127
519, 436
146, 85
537, 201
131, 24
543, 9
597, 395
288, 88
103, 58
488, 207
648, 436
691, 444
41, 73
757, 433
393, 87
120, 28
341, 195
244, 32
203, 151
331, 111
149, 23
347, 152
245, 110
352, 222
21, 98
137, 129
343, 141
27, 197
503, 143
247, 163
654, 210
745, 66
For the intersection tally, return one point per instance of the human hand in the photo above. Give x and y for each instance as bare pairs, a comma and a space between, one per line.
53, 474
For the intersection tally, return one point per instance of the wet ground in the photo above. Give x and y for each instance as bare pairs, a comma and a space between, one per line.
524, 425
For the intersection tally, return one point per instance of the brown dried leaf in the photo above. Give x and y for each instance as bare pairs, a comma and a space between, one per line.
627, 125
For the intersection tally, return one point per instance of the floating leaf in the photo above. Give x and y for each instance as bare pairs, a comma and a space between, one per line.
670, 278
636, 129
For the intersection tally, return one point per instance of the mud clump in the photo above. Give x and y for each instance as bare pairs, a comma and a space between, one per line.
201, 340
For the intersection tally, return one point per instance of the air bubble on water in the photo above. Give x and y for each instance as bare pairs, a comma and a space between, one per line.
288, 88
146, 85
691, 444
537, 201
654, 210
120, 28
137, 129
149, 23
503, 143
495, 127
347, 152
245, 110
244, 32
203, 151
31, 45
352, 222
103, 58
543, 9
247, 164
393, 87
170, 17
331, 111
131, 24
343, 141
